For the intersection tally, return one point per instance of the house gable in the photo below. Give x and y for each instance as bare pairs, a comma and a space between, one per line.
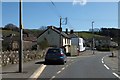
56, 30
51, 36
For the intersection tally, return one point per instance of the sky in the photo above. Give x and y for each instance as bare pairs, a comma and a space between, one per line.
80, 17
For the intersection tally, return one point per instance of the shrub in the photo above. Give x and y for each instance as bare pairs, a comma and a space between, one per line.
103, 48
43, 44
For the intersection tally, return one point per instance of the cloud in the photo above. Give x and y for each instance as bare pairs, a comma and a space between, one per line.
81, 2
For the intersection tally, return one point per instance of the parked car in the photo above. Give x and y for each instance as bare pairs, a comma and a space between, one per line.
55, 55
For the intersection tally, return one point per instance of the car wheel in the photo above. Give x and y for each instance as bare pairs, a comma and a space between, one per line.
65, 61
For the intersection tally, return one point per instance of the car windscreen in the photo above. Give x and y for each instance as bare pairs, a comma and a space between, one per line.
53, 51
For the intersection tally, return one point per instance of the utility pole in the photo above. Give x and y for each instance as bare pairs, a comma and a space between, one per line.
21, 39
60, 44
60, 30
93, 37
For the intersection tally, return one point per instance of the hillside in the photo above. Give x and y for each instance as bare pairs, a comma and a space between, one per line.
8, 32
87, 35
34, 32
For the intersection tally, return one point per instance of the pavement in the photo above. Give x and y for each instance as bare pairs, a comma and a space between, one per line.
113, 62
11, 71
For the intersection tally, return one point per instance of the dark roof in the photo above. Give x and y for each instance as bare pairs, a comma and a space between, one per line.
9, 39
73, 35
57, 31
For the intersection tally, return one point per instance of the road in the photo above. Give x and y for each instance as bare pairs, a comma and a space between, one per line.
85, 66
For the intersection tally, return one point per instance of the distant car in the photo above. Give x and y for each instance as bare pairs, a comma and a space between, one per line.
55, 55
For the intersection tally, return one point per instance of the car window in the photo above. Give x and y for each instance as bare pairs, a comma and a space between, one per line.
53, 51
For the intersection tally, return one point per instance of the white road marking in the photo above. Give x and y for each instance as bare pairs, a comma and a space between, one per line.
63, 68
116, 75
106, 66
52, 77
109, 68
58, 72
102, 61
38, 72
102, 58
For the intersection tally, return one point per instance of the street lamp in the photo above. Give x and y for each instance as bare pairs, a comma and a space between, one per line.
93, 37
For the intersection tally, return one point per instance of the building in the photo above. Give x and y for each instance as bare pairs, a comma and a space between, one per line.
76, 41
55, 38
30, 43
11, 42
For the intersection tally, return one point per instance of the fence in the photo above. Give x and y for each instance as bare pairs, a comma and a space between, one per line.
12, 57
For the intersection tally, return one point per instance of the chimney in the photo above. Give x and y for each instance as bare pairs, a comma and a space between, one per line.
50, 27
71, 31
66, 31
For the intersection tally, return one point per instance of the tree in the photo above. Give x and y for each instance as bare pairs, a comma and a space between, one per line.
11, 26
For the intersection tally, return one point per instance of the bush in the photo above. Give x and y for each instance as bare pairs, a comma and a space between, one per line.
103, 48
43, 44
34, 47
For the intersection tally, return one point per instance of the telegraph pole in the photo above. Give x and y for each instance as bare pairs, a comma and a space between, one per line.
60, 30
21, 38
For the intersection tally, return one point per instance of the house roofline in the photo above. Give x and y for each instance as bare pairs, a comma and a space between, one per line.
53, 30
42, 33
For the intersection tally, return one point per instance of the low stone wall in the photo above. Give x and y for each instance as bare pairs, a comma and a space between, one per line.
12, 57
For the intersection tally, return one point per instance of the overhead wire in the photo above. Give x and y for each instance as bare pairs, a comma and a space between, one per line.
59, 15
55, 8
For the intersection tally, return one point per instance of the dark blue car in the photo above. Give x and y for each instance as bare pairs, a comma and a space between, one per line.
55, 55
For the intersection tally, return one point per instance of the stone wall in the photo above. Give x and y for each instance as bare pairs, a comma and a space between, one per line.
12, 57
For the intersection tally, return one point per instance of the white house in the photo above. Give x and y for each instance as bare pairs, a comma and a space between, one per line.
55, 38
81, 44
78, 42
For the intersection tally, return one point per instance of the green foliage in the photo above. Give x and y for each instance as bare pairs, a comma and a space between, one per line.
87, 35
43, 44
8, 32
5, 46
11, 26
34, 47
103, 48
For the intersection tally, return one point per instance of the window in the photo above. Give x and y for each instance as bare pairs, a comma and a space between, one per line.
65, 40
